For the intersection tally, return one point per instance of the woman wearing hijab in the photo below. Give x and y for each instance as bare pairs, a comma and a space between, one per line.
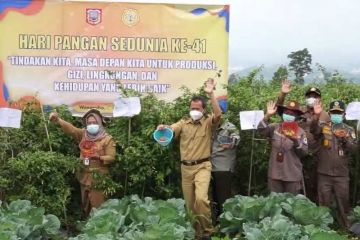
97, 151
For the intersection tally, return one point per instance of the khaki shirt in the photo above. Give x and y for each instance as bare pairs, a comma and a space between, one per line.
334, 152
224, 159
308, 118
290, 169
195, 137
106, 149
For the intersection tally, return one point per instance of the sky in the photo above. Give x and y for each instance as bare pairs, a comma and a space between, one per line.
266, 31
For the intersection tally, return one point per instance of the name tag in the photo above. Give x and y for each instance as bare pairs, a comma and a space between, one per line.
86, 161
341, 152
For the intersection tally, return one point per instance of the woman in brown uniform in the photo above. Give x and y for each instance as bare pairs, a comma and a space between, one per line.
288, 144
97, 151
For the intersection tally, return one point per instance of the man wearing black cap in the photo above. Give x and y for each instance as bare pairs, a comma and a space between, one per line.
312, 95
97, 151
288, 145
337, 141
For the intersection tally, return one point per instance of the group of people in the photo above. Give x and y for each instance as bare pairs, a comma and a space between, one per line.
317, 135
208, 152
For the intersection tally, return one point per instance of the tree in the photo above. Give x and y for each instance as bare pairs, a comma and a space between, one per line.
300, 63
280, 75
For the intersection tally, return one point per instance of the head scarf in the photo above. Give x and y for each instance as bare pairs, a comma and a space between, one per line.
101, 133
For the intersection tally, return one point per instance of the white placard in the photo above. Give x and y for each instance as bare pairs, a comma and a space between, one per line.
250, 119
353, 111
127, 107
10, 117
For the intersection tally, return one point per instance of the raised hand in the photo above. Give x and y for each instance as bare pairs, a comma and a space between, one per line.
54, 117
318, 107
209, 86
285, 86
271, 108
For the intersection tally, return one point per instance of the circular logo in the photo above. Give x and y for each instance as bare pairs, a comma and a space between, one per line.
130, 17
292, 104
336, 103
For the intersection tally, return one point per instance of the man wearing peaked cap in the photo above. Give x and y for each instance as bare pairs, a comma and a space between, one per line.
97, 151
312, 95
337, 141
288, 144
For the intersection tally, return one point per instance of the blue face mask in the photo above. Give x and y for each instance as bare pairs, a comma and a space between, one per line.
288, 118
92, 129
336, 118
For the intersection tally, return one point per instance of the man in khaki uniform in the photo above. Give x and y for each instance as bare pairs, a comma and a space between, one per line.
285, 168
195, 135
97, 151
337, 141
312, 95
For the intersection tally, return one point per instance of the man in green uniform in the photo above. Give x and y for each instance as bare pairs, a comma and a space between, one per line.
223, 158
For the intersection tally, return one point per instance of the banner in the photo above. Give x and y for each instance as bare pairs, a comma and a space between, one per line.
76, 53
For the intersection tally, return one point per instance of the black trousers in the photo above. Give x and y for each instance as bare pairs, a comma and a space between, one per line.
221, 189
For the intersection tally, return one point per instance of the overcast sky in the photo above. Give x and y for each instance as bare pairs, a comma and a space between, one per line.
266, 31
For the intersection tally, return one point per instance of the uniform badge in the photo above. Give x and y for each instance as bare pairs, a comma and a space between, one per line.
86, 161
305, 141
93, 16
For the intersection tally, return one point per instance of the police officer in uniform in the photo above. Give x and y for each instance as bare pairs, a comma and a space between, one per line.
97, 151
337, 141
195, 133
285, 168
312, 95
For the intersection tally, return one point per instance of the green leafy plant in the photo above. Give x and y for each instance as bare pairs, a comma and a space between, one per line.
134, 218
41, 177
277, 216
21, 220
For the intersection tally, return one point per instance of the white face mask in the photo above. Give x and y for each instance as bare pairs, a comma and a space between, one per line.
93, 128
196, 115
310, 101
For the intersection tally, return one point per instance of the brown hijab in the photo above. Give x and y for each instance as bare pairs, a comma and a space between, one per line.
101, 133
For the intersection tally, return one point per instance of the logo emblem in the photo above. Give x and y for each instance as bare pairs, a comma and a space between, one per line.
292, 104
130, 17
313, 89
93, 16
336, 104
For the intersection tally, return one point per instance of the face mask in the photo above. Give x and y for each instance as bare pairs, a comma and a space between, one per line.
288, 118
92, 128
196, 115
336, 118
310, 101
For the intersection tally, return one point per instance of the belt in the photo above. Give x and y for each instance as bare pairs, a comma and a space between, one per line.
195, 162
